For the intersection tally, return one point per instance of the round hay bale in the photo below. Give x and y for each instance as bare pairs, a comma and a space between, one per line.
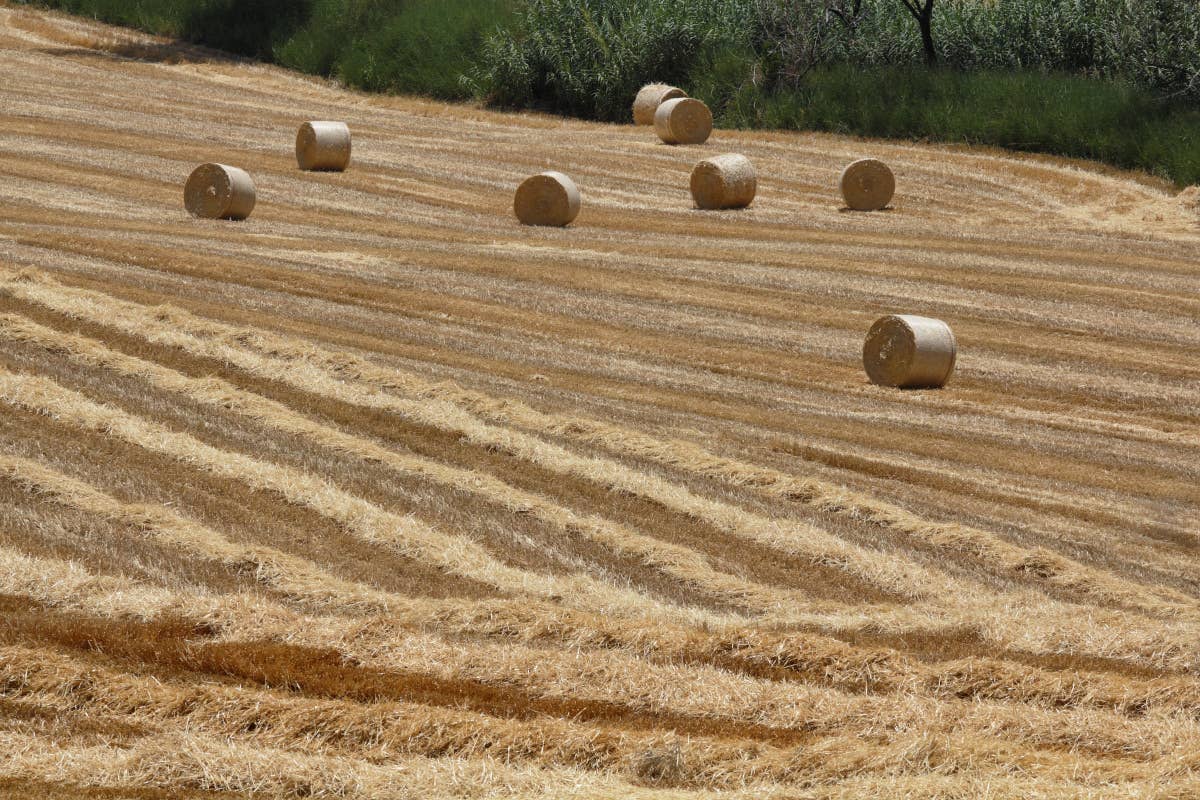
868, 185
649, 98
910, 352
323, 146
217, 191
550, 198
683, 121
726, 181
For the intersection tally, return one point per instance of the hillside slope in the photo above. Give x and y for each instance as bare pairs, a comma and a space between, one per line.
381, 494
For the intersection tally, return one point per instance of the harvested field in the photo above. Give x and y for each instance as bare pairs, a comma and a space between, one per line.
380, 493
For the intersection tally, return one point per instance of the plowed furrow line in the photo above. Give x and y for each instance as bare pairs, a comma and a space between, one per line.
682, 564
1020, 573
320, 674
239, 511
310, 672
1043, 563
518, 540
783, 318
197, 766
406, 535
1093, 471
714, 355
1053, 469
348, 728
293, 577
903, 414
33, 524
787, 537
394, 643
172, 649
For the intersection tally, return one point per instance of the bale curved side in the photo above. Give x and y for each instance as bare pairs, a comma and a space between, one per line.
724, 181
323, 146
910, 352
549, 198
684, 120
219, 191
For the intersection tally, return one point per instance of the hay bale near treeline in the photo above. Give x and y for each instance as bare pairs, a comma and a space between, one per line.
323, 146
549, 198
649, 98
910, 352
725, 181
868, 185
683, 121
218, 191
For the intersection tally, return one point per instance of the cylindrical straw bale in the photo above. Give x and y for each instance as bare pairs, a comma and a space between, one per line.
550, 198
217, 191
726, 181
683, 121
910, 352
323, 146
649, 98
868, 185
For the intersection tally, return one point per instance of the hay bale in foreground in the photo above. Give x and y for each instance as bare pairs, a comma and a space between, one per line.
550, 198
323, 146
649, 98
218, 191
725, 181
910, 352
683, 121
868, 185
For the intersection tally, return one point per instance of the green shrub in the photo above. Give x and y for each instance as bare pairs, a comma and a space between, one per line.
418, 46
414, 46
589, 57
1033, 111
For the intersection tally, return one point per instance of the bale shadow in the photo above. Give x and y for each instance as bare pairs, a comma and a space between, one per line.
849, 210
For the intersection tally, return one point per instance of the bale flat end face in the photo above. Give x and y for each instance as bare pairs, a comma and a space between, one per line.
725, 181
323, 146
549, 199
910, 352
868, 185
649, 98
218, 191
683, 121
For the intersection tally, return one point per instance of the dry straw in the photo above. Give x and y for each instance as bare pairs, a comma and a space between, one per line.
323, 146
909, 352
683, 121
550, 198
217, 191
649, 98
725, 181
868, 185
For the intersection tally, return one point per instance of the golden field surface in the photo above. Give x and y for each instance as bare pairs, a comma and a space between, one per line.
381, 494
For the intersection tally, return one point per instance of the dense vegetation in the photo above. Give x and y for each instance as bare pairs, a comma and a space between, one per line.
1116, 80
422, 46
